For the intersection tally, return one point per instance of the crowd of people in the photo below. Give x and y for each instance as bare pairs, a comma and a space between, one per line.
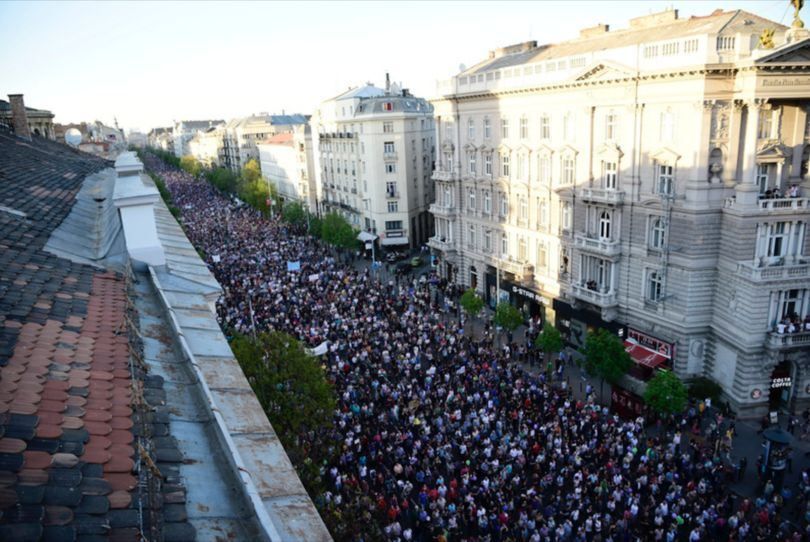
441, 436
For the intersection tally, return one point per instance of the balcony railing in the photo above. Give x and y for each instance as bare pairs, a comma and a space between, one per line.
604, 247
772, 205
391, 194
437, 209
439, 175
789, 340
602, 195
441, 243
390, 155
599, 297
773, 272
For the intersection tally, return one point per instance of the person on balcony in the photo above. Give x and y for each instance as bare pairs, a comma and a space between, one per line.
794, 191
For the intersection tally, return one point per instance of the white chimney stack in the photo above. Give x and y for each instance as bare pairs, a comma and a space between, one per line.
135, 202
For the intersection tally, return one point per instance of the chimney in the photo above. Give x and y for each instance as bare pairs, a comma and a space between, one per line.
387, 83
591, 31
19, 118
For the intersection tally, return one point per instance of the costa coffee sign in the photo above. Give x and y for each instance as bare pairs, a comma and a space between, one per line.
657, 345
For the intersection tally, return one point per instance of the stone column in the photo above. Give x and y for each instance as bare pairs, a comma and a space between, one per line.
747, 191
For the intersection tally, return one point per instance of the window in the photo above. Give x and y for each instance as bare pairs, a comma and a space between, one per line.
488, 240
388, 106
690, 46
568, 127
504, 201
471, 162
488, 164
777, 239
448, 198
524, 128
487, 128
544, 168
393, 206
725, 43
604, 226
522, 170
565, 215
542, 255
388, 146
505, 128
791, 304
487, 202
611, 126
388, 127
523, 209
568, 170
390, 168
671, 48
765, 124
471, 199
505, 164
665, 180
667, 126
522, 252
393, 225
609, 175
542, 212
391, 189
657, 232
471, 236
504, 245
763, 175
655, 286
545, 127
471, 129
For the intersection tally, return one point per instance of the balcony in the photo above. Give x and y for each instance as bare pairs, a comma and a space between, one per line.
441, 210
785, 341
439, 175
598, 297
391, 194
602, 195
603, 247
778, 273
390, 156
441, 244
771, 205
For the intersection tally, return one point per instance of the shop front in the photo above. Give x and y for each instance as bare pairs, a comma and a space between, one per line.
575, 323
625, 403
781, 389
649, 353
527, 301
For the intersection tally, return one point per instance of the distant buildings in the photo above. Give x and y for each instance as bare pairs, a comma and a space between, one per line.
206, 145
161, 138
30, 121
286, 160
184, 130
375, 156
241, 136
652, 181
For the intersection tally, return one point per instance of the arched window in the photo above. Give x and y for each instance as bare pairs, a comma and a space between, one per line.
604, 225
655, 286
657, 232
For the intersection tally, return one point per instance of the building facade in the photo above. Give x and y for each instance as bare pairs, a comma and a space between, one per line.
206, 145
375, 156
286, 160
651, 181
241, 136
160, 138
31, 121
184, 130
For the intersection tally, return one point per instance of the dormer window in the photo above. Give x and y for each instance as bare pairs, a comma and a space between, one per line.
388, 106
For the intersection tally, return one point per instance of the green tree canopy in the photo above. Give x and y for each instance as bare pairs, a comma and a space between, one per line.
549, 341
252, 172
337, 231
293, 390
223, 179
605, 356
471, 302
191, 165
665, 393
507, 316
294, 214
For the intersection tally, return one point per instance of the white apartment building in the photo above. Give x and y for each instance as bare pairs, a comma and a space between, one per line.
287, 161
184, 130
206, 145
651, 181
375, 155
242, 135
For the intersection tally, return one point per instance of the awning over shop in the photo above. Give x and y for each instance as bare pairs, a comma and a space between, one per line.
388, 241
644, 356
365, 237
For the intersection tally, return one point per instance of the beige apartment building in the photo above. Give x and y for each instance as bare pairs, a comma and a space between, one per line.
649, 180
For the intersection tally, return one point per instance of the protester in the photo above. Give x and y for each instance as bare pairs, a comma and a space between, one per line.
440, 436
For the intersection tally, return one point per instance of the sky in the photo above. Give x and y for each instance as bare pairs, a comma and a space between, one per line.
149, 63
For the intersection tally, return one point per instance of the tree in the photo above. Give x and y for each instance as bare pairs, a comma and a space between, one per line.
549, 341
507, 317
605, 356
252, 172
294, 214
223, 179
293, 390
471, 303
336, 231
190, 165
665, 393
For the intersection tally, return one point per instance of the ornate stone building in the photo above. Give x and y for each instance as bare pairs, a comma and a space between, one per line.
651, 181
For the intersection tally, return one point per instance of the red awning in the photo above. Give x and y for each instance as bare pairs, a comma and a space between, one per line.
644, 356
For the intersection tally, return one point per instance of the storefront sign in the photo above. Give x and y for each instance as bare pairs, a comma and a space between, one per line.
782, 382
656, 345
756, 393
534, 296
